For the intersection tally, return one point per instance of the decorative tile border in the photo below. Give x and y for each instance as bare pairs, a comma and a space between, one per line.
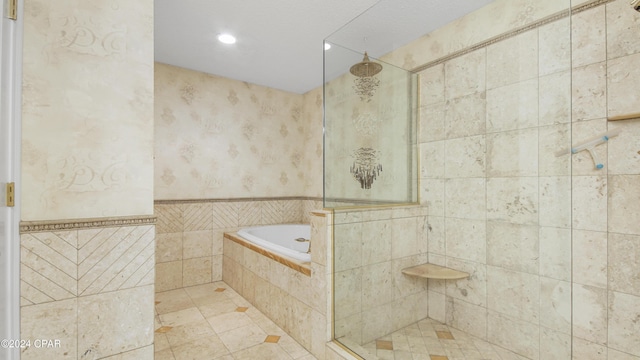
515, 32
191, 201
92, 223
297, 266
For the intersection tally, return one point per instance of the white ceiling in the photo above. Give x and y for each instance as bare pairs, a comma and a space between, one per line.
280, 42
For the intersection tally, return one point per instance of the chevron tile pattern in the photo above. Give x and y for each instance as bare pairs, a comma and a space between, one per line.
197, 216
48, 269
291, 211
209, 215
67, 264
307, 207
271, 212
168, 218
250, 213
225, 215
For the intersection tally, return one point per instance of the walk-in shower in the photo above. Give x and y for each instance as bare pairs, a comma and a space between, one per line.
449, 159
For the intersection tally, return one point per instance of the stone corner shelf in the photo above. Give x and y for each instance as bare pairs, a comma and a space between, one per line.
432, 271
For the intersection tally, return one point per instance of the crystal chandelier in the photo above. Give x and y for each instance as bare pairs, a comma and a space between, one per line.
365, 168
365, 83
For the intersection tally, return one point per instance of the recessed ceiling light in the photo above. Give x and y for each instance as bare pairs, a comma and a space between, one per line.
227, 38
327, 46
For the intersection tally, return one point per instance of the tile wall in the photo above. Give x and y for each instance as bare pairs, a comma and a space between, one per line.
190, 234
498, 198
522, 221
371, 247
91, 289
541, 235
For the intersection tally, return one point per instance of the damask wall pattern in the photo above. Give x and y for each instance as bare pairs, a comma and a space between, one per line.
312, 110
218, 138
87, 121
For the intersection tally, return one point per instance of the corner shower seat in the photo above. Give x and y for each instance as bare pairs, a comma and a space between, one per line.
433, 271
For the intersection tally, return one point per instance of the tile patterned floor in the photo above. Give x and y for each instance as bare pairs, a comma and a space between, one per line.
432, 340
212, 321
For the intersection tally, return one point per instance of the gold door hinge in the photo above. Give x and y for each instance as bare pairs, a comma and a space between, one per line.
12, 9
11, 194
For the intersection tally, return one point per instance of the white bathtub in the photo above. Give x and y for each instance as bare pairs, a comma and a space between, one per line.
281, 239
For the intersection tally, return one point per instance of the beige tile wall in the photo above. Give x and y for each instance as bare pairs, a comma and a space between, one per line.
189, 248
371, 247
536, 231
477, 27
91, 289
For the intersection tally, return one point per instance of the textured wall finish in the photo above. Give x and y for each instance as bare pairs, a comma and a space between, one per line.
312, 111
222, 138
87, 120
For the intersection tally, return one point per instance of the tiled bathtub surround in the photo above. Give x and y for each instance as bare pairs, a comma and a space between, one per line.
90, 288
301, 267
281, 293
189, 241
296, 302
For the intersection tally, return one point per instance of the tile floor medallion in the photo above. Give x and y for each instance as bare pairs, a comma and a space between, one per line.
212, 321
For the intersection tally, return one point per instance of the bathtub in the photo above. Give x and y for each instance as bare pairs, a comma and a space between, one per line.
281, 239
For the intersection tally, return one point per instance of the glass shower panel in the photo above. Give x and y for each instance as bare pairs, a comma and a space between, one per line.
494, 110
370, 137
